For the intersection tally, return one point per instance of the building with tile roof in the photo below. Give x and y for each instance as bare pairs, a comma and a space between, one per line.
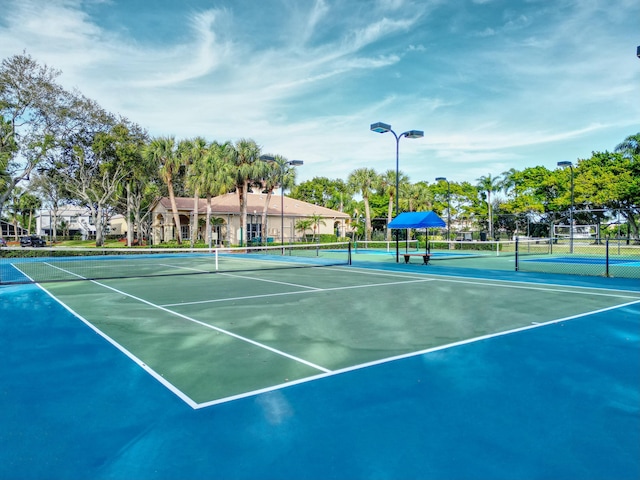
224, 212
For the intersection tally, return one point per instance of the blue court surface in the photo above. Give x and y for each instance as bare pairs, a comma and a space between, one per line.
558, 400
629, 262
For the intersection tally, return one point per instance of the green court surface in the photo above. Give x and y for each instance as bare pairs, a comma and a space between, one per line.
216, 337
460, 369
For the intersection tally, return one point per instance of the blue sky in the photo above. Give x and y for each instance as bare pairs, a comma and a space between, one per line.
494, 84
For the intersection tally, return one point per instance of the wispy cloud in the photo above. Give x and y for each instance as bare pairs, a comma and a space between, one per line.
490, 83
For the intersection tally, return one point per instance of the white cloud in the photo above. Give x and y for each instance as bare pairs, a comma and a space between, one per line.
508, 96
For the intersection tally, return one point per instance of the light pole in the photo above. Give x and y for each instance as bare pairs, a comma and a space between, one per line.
443, 179
384, 128
293, 163
570, 165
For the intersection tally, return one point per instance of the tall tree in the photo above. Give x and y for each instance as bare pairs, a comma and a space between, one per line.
630, 146
387, 186
50, 186
123, 144
325, 192
488, 185
217, 177
91, 172
247, 168
416, 197
509, 182
277, 173
163, 152
193, 154
363, 181
32, 106
29, 204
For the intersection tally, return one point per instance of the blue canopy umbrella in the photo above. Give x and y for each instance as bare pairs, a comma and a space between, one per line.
418, 220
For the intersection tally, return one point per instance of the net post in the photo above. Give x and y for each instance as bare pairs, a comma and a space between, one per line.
517, 251
349, 254
215, 252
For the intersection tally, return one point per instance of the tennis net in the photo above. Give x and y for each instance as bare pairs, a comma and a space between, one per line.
385, 245
37, 265
474, 249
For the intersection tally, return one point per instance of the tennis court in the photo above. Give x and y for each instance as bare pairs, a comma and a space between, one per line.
370, 370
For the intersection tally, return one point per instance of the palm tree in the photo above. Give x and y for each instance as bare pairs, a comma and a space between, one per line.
272, 178
387, 186
303, 225
29, 203
508, 182
362, 181
193, 152
163, 152
216, 178
630, 146
418, 196
247, 168
316, 220
14, 208
489, 184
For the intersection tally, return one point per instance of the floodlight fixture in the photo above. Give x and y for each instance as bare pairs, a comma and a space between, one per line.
380, 127
413, 134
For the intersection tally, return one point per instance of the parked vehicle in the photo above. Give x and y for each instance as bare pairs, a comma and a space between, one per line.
32, 241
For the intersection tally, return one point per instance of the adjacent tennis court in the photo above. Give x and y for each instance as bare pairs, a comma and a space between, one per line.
371, 370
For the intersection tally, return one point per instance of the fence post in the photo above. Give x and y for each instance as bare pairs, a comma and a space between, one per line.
606, 247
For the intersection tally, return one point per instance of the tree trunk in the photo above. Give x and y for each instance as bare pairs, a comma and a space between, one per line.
129, 223
194, 225
99, 220
264, 233
208, 222
367, 219
176, 216
242, 193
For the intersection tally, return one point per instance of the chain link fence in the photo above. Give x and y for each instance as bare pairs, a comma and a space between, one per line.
608, 258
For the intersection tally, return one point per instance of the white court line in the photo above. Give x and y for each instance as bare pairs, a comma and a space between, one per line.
159, 377
545, 287
217, 329
134, 358
229, 274
413, 354
327, 372
315, 290
180, 267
